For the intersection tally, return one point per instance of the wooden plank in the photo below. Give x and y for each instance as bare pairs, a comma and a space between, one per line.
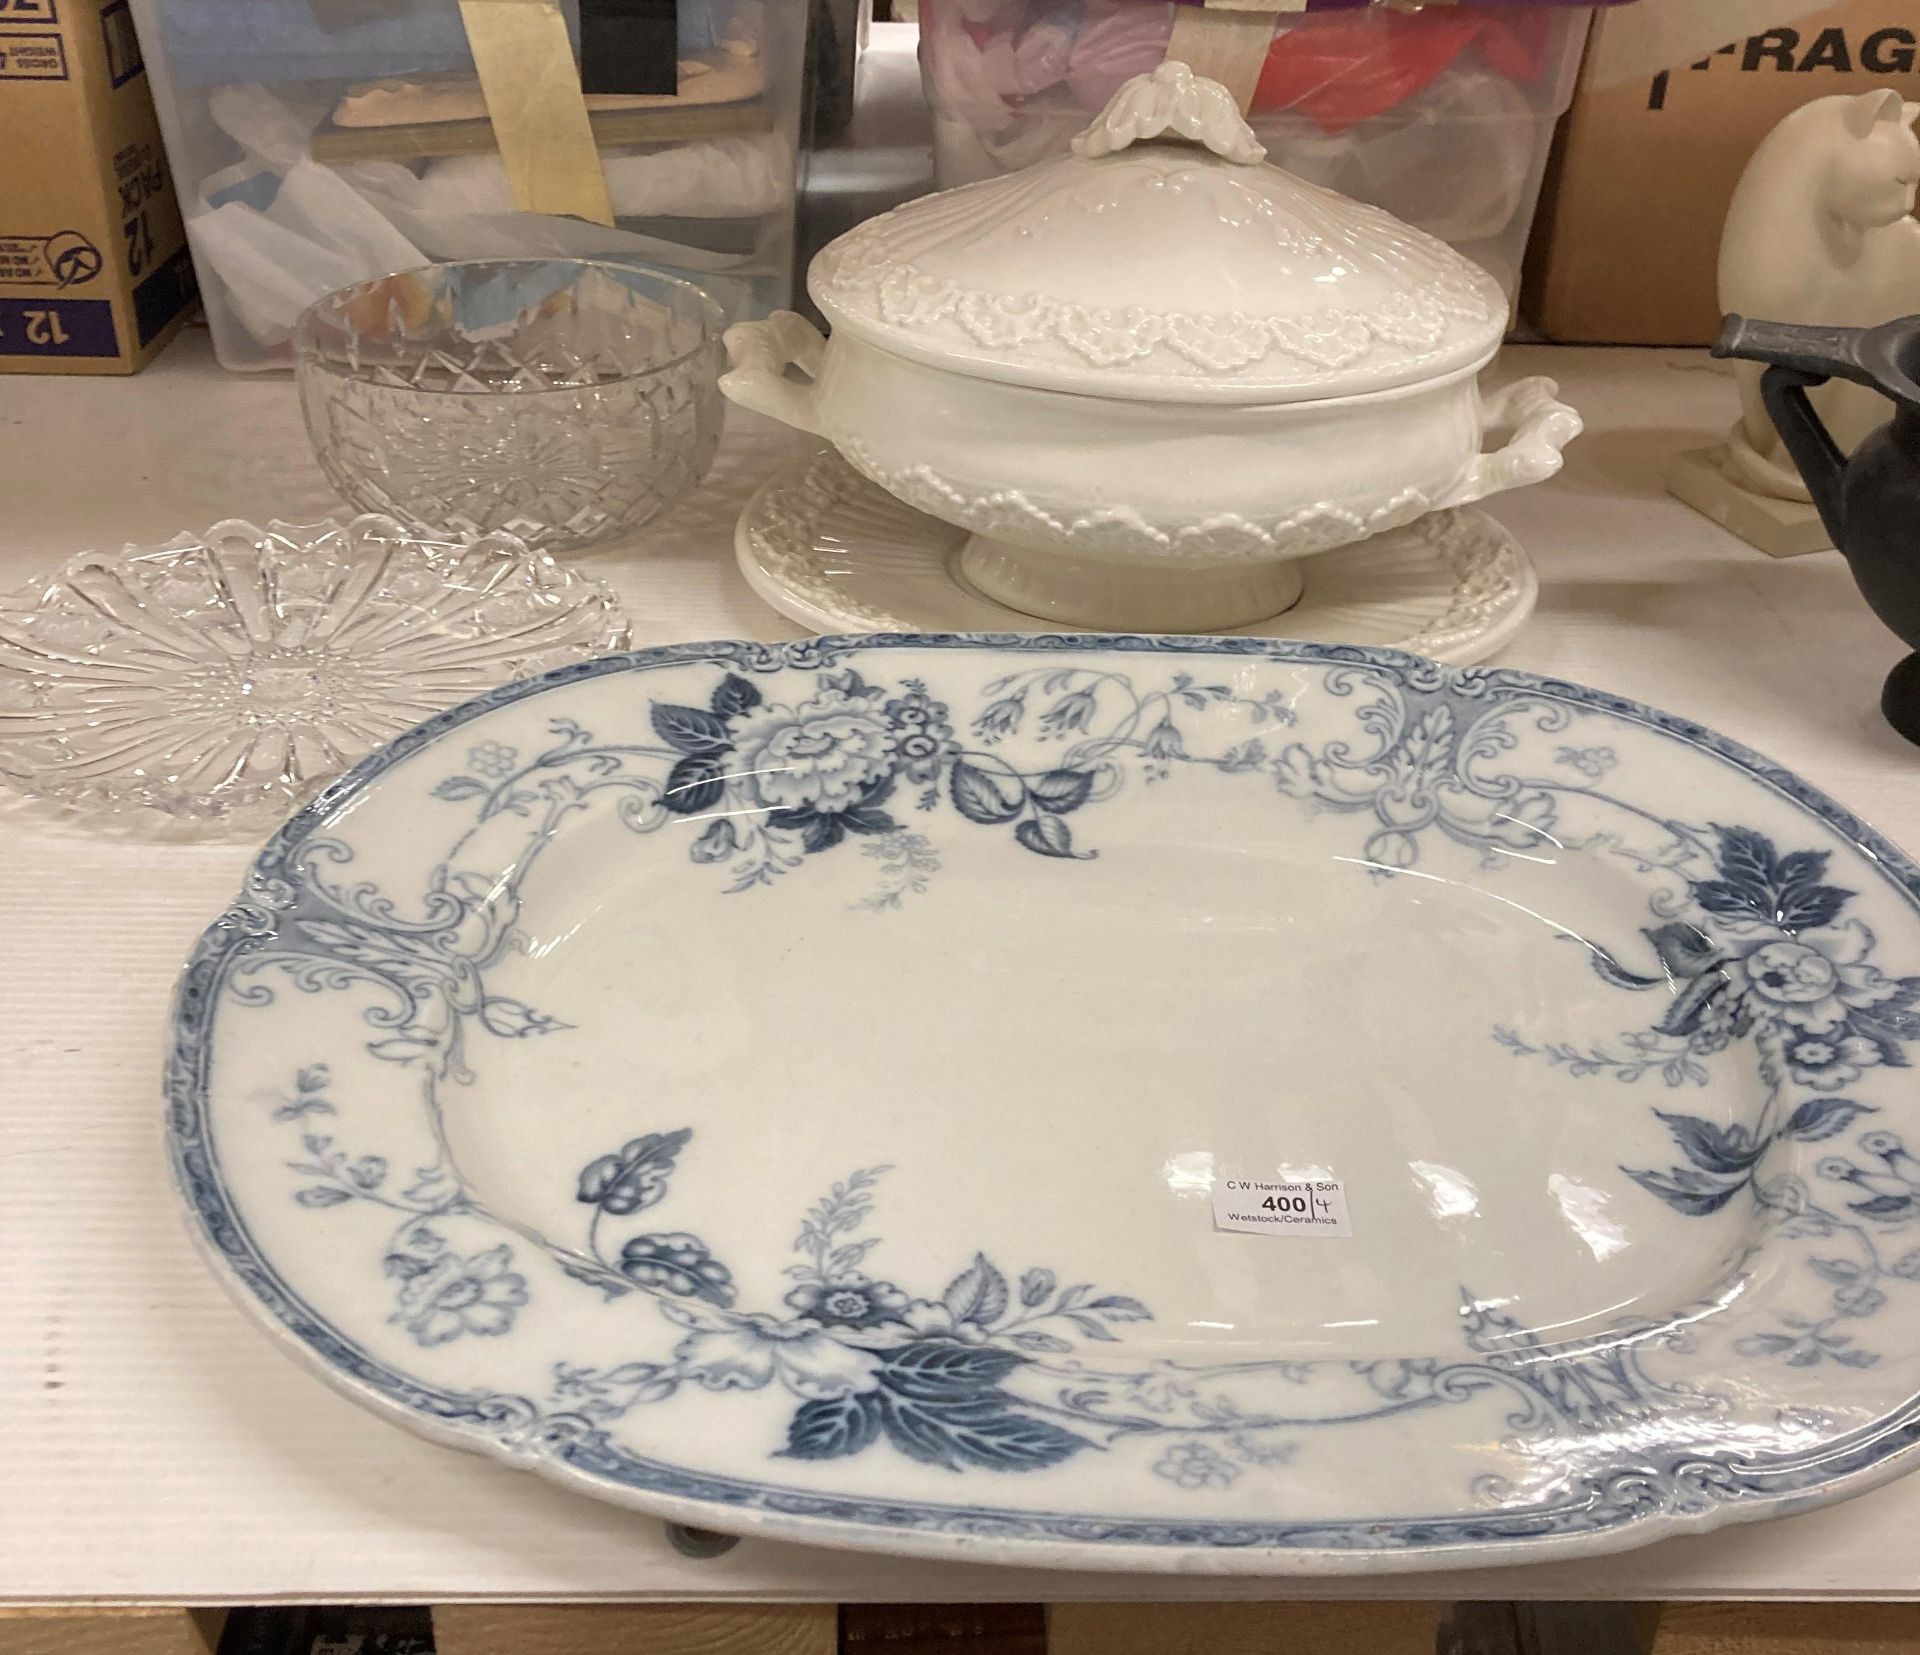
635, 1629
110, 1631
1242, 1628
1788, 1629
1547, 1627
943, 1629
612, 129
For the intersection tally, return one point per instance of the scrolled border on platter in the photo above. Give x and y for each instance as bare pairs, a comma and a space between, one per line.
1690, 1492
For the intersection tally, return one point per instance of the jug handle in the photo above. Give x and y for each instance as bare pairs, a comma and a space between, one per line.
1817, 457
1542, 426
1799, 358
761, 353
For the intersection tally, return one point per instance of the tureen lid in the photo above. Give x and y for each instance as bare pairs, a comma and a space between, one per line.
1181, 270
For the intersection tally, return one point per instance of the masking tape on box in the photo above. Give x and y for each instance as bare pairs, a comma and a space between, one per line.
1224, 44
532, 89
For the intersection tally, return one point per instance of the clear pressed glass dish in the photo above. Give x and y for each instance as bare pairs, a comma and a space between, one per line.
566, 401
225, 676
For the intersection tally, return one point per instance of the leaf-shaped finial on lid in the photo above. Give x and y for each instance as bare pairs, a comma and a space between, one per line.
1173, 99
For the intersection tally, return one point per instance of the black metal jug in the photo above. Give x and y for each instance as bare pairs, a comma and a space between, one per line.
1869, 501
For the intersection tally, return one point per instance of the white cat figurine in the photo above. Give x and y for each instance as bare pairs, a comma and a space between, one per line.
1821, 231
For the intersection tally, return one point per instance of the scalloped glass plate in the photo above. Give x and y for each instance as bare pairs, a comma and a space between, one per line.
222, 677
784, 1088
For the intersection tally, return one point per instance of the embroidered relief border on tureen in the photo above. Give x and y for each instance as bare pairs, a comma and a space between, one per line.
866, 282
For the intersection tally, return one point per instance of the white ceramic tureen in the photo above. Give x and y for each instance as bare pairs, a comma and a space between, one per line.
1152, 374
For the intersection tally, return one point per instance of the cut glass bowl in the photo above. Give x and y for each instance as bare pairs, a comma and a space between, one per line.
566, 401
224, 676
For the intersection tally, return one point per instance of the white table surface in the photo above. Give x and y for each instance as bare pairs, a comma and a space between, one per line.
153, 1446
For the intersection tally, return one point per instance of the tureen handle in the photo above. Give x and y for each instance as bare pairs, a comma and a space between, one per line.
1542, 426
761, 353
1173, 99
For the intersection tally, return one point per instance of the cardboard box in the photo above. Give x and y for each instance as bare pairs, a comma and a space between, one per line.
1666, 114
94, 273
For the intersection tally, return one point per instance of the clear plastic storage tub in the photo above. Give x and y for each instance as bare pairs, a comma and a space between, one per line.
1443, 114
317, 143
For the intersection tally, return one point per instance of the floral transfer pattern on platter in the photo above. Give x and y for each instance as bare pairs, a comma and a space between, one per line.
780, 781
996, 1369
988, 1374
1768, 965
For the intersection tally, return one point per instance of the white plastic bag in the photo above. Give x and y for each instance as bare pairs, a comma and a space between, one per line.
279, 230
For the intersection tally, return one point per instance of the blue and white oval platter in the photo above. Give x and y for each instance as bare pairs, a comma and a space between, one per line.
784, 1087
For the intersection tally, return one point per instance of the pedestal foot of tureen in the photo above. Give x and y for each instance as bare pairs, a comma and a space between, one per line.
1121, 597
837, 553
